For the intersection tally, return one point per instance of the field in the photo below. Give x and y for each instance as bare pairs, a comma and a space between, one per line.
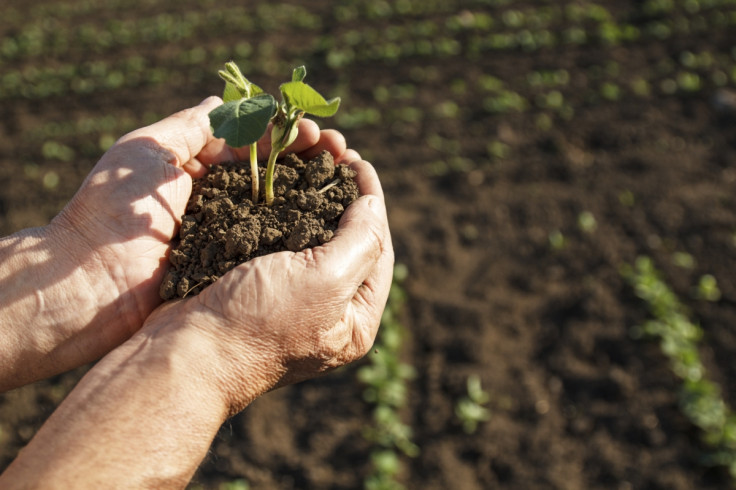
529, 151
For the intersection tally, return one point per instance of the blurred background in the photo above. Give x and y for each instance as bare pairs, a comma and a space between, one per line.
530, 152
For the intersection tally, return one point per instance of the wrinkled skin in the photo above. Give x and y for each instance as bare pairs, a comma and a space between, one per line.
293, 316
86, 286
118, 226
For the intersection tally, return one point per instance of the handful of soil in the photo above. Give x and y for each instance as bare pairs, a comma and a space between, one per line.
223, 228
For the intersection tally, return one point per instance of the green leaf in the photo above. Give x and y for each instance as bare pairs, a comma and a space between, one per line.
303, 97
298, 74
254, 89
235, 81
229, 78
234, 70
231, 93
243, 121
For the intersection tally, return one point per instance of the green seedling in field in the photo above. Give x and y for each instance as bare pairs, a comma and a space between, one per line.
243, 120
587, 222
701, 400
386, 380
471, 409
707, 288
557, 240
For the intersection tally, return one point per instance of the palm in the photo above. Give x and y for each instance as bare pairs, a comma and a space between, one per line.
316, 309
128, 209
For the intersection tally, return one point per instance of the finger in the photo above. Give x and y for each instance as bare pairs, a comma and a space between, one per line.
217, 151
363, 228
330, 140
347, 157
367, 179
183, 134
307, 137
309, 143
347, 259
195, 168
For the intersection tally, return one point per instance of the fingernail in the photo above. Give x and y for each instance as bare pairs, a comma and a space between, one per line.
207, 100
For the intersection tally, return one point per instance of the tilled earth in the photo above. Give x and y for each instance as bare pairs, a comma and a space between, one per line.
486, 210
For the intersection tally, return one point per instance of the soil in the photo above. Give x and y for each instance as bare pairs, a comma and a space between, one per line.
223, 228
473, 200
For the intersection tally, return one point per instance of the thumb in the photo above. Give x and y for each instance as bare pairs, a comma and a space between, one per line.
183, 134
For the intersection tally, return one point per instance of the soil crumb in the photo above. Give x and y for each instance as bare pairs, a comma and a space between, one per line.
223, 228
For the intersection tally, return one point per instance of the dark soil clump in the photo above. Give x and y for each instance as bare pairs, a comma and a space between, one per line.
223, 228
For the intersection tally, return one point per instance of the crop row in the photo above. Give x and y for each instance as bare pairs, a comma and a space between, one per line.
47, 81
52, 37
545, 93
514, 30
386, 380
527, 29
421, 44
574, 11
398, 9
701, 400
532, 17
111, 124
187, 66
659, 7
68, 10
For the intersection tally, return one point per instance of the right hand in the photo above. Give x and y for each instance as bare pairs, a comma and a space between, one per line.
287, 317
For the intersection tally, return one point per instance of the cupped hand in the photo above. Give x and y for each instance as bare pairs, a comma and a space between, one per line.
120, 222
286, 317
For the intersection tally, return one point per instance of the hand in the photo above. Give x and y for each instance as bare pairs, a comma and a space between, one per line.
286, 317
93, 274
272, 321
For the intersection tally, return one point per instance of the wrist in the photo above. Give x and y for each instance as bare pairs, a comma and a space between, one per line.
180, 354
239, 366
154, 390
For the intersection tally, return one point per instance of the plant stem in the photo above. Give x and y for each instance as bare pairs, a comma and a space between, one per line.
269, 175
254, 177
284, 132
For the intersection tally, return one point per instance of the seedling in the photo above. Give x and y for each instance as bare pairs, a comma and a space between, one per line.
700, 398
244, 116
238, 87
707, 288
587, 222
386, 379
471, 409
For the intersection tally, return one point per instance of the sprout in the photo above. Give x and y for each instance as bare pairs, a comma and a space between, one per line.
471, 409
238, 90
244, 116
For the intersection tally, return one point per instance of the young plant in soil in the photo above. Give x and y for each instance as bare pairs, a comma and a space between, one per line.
225, 224
701, 399
237, 89
386, 378
471, 410
243, 120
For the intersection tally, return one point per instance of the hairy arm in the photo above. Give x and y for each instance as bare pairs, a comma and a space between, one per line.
146, 414
144, 417
54, 306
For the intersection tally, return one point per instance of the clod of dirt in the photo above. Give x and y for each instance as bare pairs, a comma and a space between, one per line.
223, 228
